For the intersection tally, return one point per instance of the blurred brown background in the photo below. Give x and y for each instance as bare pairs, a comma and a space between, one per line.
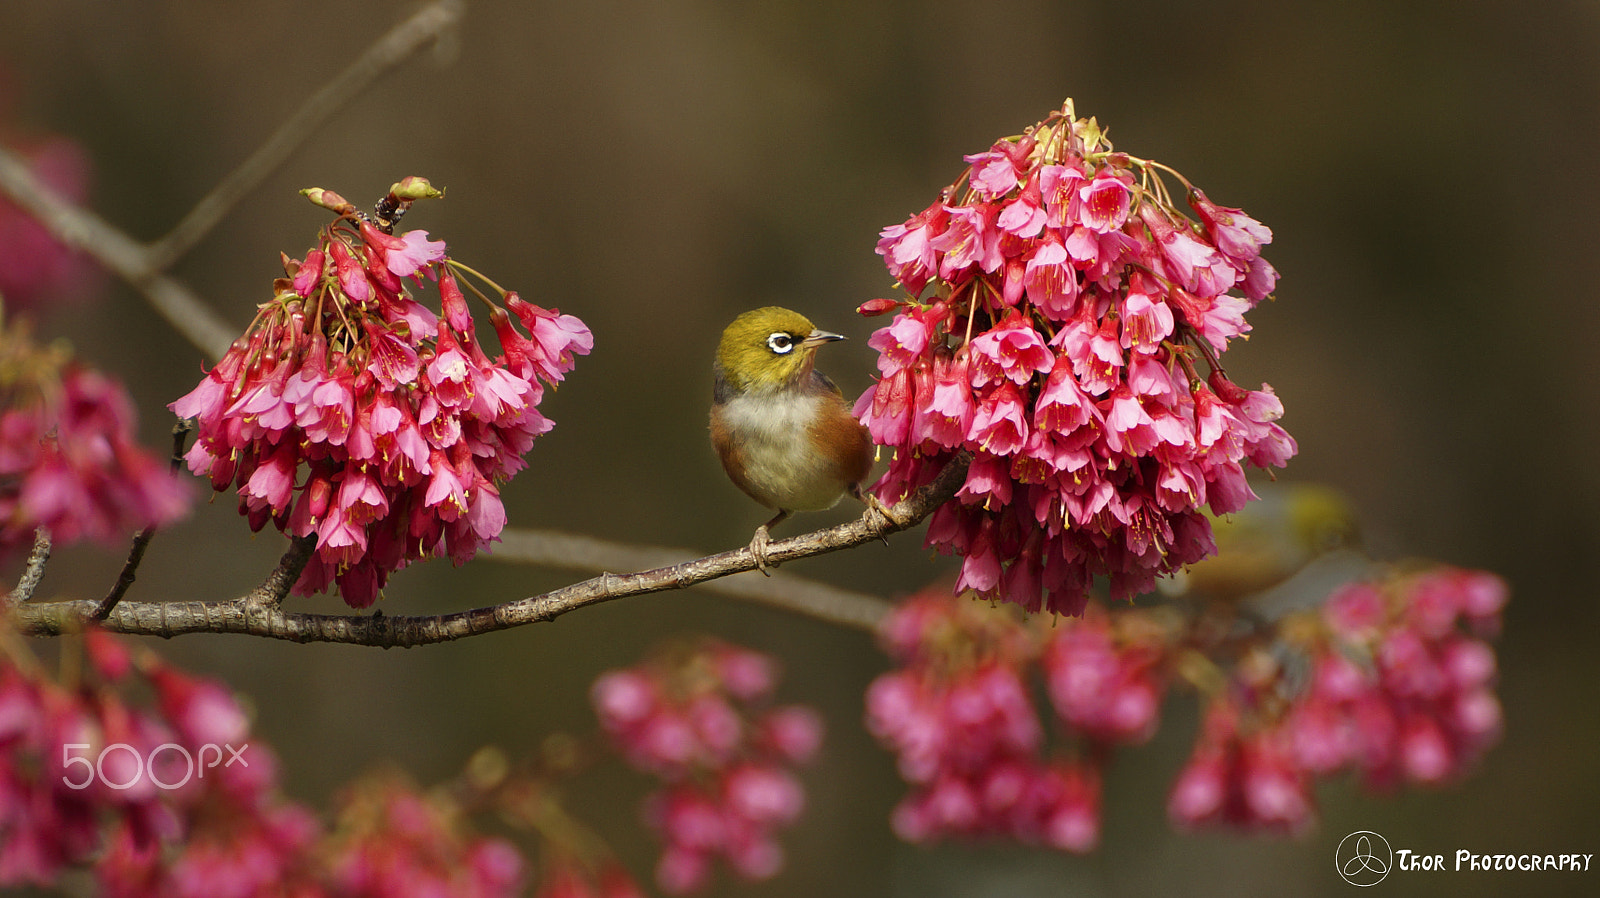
1429, 169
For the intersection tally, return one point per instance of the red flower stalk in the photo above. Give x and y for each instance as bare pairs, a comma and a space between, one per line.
1058, 313
350, 412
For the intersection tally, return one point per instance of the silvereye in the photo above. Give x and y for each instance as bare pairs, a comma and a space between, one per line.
781, 428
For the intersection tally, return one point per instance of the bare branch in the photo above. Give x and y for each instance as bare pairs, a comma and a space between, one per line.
141, 540
566, 551
130, 568
270, 594
425, 26
142, 266
257, 618
122, 255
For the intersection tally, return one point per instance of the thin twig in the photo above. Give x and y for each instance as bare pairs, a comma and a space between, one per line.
141, 540
244, 616
130, 568
34, 572
271, 592
122, 255
404, 39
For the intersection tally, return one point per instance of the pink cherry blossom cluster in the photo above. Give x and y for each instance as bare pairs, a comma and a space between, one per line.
1400, 689
1392, 679
352, 413
68, 458
959, 714
165, 809
1063, 323
389, 840
699, 718
87, 777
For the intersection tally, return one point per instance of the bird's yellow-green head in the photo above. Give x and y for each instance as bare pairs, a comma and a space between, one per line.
768, 348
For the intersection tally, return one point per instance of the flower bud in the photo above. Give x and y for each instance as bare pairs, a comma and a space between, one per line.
329, 200
414, 188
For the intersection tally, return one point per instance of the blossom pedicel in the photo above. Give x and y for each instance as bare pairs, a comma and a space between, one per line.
1064, 322
351, 412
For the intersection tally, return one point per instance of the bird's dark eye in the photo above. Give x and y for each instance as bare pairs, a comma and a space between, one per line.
780, 342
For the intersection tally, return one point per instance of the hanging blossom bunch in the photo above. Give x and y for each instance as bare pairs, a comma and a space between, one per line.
90, 778
959, 713
1391, 678
178, 797
68, 458
390, 840
1063, 322
1399, 688
352, 413
698, 717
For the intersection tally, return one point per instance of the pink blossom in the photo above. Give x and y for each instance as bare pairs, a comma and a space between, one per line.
1106, 201
1059, 186
902, 343
408, 428
1024, 216
1051, 280
1000, 424
347, 268
413, 253
559, 337
908, 249
1010, 350
1094, 447
995, 173
971, 240
1236, 234
689, 717
36, 269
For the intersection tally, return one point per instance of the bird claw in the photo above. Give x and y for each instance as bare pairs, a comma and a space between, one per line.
758, 548
871, 501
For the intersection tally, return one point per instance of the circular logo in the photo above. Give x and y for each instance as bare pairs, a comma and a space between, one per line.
1363, 858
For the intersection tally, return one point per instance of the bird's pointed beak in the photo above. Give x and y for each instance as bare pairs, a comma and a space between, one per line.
817, 338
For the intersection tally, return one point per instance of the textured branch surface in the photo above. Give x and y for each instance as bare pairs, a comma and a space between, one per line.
33, 573
567, 551
251, 615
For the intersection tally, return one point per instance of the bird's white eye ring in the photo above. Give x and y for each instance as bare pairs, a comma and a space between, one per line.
781, 343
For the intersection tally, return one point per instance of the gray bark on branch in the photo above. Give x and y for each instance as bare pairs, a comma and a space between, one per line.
258, 614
